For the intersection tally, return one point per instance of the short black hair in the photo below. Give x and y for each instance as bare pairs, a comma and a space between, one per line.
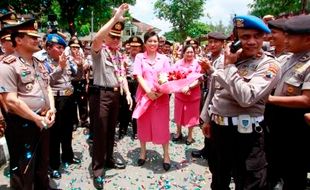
149, 34
14, 35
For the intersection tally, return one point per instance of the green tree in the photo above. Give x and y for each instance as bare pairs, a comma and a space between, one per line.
72, 15
275, 7
181, 13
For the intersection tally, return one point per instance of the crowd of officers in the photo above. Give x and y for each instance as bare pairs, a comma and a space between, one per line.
254, 109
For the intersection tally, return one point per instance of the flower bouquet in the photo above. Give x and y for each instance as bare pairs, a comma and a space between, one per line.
175, 81
167, 83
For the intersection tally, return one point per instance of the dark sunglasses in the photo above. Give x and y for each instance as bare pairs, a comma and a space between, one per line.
115, 37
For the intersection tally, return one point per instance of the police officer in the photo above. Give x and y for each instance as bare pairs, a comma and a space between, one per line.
237, 105
277, 42
61, 133
125, 115
291, 102
6, 20
76, 59
109, 82
216, 42
28, 96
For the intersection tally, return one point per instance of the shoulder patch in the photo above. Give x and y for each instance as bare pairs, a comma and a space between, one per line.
272, 71
305, 58
9, 59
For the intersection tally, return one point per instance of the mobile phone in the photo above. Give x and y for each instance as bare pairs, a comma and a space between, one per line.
235, 46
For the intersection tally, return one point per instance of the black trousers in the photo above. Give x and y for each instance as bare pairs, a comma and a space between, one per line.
105, 108
28, 147
81, 100
288, 146
125, 115
237, 155
61, 132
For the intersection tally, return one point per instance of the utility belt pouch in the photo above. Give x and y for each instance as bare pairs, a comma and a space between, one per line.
245, 124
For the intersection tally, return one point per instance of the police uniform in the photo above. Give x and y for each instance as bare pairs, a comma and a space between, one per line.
125, 115
79, 83
217, 63
289, 129
271, 139
236, 111
61, 132
109, 75
6, 20
27, 143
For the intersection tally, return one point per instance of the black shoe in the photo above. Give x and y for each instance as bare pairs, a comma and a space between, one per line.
176, 139
166, 166
199, 154
141, 162
74, 160
98, 182
115, 165
55, 174
187, 142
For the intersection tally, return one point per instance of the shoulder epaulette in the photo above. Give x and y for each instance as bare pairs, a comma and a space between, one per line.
305, 58
38, 60
9, 59
269, 54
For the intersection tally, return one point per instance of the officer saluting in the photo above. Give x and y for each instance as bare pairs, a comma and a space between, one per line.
27, 95
109, 82
237, 108
290, 103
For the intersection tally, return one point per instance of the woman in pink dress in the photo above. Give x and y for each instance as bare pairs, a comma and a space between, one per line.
187, 102
153, 124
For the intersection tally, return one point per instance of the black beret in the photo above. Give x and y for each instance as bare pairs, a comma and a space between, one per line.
217, 36
168, 43
298, 25
277, 24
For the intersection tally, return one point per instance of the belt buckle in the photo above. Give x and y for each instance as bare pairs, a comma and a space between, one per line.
68, 92
221, 120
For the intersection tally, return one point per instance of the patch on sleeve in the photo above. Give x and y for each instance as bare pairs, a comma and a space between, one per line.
304, 58
9, 59
272, 70
2, 89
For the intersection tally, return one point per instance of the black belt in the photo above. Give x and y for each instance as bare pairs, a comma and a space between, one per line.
106, 88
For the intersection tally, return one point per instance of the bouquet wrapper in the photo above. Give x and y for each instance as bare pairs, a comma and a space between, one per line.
177, 85
142, 104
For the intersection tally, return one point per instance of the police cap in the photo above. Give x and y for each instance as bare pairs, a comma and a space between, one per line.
135, 41
217, 36
117, 29
298, 25
251, 22
29, 27
55, 38
277, 24
192, 42
74, 43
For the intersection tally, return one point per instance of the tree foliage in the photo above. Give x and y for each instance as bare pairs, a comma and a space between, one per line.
72, 15
181, 13
276, 7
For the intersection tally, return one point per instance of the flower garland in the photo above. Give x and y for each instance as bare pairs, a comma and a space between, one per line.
118, 61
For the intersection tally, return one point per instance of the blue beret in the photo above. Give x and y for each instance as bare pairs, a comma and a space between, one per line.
298, 25
55, 38
251, 22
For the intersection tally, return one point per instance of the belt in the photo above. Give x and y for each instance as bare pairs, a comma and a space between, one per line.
66, 92
107, 88
225, 121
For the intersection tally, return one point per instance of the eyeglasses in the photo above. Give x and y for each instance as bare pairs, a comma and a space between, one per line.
115, 37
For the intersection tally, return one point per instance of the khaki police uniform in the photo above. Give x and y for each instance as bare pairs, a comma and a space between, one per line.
236, 112
289, 130
27, 143
109, 73
61, 132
